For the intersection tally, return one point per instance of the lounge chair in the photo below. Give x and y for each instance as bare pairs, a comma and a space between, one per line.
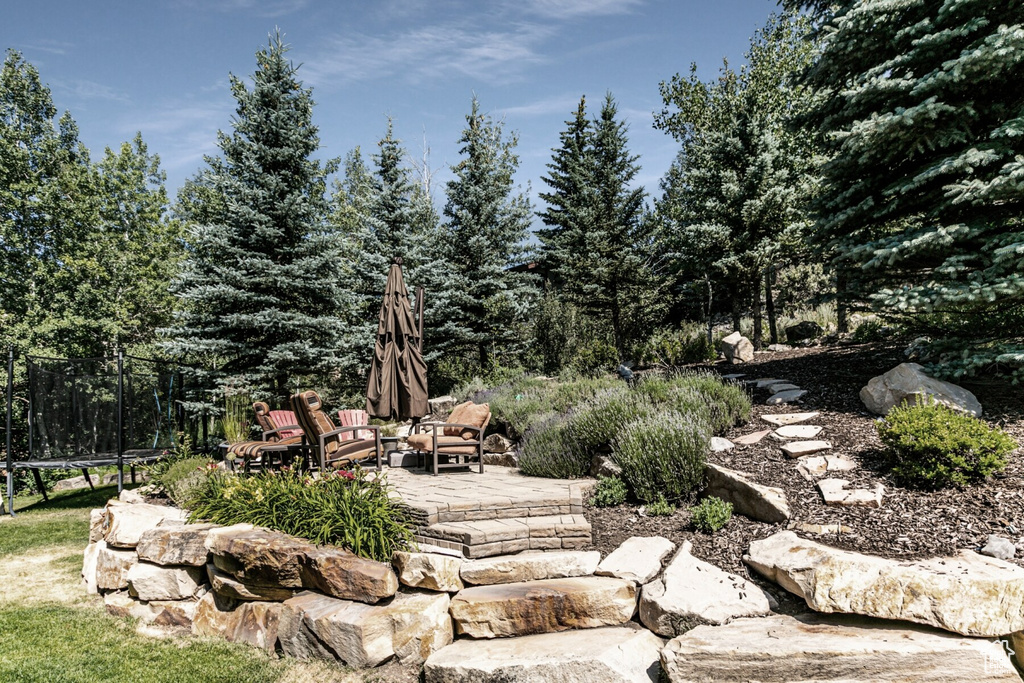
282, 437
326, 439
459, 438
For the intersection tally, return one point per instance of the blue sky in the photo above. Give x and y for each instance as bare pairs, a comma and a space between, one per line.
161, 67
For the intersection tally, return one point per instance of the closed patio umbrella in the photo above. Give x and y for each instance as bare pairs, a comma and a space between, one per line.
397, 386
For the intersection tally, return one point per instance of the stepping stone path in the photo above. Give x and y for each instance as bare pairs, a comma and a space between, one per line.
783, 419
489, 571
718, 444
752, 438
763, 503
834, 492
796, 449
782, 386
765, 382
816, 465
786, 397
638, 559
735, 375
798, 431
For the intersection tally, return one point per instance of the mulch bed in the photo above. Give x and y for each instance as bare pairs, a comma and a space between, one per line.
910, 524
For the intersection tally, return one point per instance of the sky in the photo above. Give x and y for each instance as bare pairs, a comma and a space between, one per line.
161, 67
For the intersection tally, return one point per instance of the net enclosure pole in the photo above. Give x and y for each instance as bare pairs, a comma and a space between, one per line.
120, 421
7, 435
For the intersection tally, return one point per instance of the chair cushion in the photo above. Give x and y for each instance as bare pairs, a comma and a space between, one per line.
262, 411
352, 450
468, 413
445, 444
313, 420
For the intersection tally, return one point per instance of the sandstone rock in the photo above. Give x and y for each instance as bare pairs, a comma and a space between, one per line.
604, 466
153, 582
614, 654
834, 492
806, 329
763, 503
752, 438
779, 348
112, 566
255, 623
785, 397
165, 613
125, 524
765, 382
131, 496
428, 570
718, 444
737, 348
529, 567
789, 418
343, 574
692, 592
258, 557
119, 604
410, 628
734, 376
74, 483
817, 465
96, 529
519, 609
227, 587
111, 478
798, 449
509, 458
638, 559
968, 594
821, 529
441, 407
497, 443
175, 544
999, 547
815, 648
798, 431
907, 383
89, 560
782, 386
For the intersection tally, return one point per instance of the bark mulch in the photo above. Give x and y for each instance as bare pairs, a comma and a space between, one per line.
910, 524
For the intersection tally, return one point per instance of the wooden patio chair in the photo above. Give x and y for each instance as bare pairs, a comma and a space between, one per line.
459, 439
282, 438
326, 439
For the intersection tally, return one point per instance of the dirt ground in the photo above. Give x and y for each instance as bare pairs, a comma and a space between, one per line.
910, 523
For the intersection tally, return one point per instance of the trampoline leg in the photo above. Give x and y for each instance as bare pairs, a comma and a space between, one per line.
10, 492
39, 483
88, 479
132, 469
120, 478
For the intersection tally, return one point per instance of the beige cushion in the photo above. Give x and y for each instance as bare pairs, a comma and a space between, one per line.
468, 413
445, 444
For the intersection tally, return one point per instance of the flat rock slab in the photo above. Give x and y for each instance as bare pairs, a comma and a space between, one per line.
763, 503
153, 582
519, 609
428, 570
175, 544
124, 524
782, 648
615, 654
692, 592
409, 628
835, 492
718, 444
968, 593
814, 466
798, 449
782, 386
752, 438
556, 564
735, 375
785, 397
764, 382
783, 419
638, 559
822, 529
255, 623
798, 431
228, 587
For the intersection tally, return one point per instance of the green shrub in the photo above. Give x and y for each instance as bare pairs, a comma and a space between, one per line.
672, 348
726, 403
663, 455
595, 355
343, 508
609, 492
934, 446
548, 450
660, 508
182, 479
711, 514
594, 425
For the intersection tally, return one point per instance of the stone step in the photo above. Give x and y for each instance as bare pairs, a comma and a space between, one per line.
488, 537
546, 606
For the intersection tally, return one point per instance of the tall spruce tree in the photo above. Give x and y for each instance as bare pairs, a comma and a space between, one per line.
922, 201
488, 224
257, 289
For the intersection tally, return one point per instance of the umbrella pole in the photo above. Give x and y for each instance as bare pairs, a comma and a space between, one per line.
419, 314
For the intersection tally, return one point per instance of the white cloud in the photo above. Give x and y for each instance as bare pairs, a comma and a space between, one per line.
84, 89
259, 8
559, 104
54, 47
570, 9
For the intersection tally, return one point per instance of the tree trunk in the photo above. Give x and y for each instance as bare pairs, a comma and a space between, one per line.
736, 311
617, 330
842, 312
707, 281
769, 304
484, 356
757, 338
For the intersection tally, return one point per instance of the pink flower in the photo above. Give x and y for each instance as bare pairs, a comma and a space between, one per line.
347, 474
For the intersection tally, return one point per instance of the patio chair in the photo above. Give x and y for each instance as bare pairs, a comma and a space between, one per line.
326, 439
282, 437
460, 438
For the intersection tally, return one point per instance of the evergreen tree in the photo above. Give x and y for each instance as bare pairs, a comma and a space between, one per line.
257, 288
488, 224
922, 201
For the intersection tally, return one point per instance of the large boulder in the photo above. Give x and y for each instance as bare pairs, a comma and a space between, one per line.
89, 560
227, 587
806, 329
810, 647
519, 609
737, 348
692, 592
255, 623
763, 503
409, 628
259, 557
908, 383
431, 571
153, 582
124, 524
968, 594
175, 544
638, 558
112, 566
441, 407
343, 574
604, 466
558, 564
497, 443
614, 654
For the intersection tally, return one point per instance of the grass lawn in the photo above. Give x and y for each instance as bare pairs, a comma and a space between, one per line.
50, 630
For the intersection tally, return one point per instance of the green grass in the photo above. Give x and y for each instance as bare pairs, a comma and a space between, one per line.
72, 644
64, 519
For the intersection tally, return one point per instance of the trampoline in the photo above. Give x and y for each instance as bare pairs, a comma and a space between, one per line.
93, 412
